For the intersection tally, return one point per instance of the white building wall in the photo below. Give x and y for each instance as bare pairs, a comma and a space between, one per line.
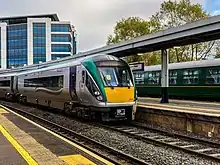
47, 21
3, 26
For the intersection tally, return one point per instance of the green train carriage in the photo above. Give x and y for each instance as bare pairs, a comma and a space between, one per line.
188, 80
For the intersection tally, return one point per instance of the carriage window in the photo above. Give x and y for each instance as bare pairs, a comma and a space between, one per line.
139, 77
154, 78
191, 77
54, 81
173, 77
213, 76
5, 83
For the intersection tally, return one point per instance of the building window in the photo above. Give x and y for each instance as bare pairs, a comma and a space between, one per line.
46, 82
173, 77
39, 29
213, 76
16, 45
191, 77
139, 77
39, 42
60, 28
61, 48
60, 38
154, 78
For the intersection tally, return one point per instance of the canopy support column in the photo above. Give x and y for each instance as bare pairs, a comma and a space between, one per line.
164, 76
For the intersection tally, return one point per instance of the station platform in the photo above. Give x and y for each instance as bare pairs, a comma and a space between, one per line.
197, 117
187, 106
24, 142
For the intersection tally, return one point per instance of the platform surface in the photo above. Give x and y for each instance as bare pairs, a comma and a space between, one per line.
187, 106
25, 142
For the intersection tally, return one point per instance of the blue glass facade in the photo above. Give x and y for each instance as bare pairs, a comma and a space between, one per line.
39, 42
16, 45
24, 40
60, 48
60, 28
60, 38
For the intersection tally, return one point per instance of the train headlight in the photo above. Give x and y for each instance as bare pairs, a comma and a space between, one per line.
97, 93
100, 98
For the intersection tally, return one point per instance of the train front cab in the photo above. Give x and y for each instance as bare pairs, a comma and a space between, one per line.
116, 85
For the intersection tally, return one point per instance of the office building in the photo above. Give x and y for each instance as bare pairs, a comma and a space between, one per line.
27, 40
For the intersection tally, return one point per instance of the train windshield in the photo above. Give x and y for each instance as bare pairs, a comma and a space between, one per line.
115, 76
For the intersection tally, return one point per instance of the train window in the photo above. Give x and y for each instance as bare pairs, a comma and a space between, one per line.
90, 85
213, 76
139, 78
185, 73
5, 83
173, 77
191, 77
154, 78
53, 81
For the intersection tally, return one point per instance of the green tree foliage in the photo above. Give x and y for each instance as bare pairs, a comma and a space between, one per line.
129, 28
171, 14
176, 13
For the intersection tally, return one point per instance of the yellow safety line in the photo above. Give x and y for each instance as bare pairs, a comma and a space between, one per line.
18, 147
76, 160
62, 138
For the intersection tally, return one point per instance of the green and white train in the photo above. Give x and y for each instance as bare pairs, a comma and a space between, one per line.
98, 86
190, 80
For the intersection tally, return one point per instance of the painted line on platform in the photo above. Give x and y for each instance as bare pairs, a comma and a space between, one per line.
76, 160
18, 147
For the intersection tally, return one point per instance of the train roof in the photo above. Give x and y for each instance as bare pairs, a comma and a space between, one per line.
55, 65
184, 65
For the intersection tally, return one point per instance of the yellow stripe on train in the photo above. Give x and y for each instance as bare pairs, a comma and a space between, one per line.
119, 94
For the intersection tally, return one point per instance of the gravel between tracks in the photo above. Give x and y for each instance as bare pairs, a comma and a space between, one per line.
147, 152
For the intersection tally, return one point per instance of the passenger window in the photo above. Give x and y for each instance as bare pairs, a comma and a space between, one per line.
190, 77
173, 77
213, 76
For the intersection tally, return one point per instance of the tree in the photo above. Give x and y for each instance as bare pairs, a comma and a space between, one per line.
176, 13
171, 14
127, 29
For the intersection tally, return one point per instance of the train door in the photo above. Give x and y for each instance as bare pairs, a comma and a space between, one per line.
15, 84
82, 92
72, 83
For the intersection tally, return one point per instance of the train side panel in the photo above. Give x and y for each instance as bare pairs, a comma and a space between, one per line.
48, 88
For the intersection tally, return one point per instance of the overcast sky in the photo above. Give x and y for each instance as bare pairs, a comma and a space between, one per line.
94, 19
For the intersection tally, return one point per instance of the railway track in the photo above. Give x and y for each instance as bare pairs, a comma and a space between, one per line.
192, 145
135, 130
113, 155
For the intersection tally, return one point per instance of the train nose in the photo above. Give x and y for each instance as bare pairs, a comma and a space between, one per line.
119, 94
